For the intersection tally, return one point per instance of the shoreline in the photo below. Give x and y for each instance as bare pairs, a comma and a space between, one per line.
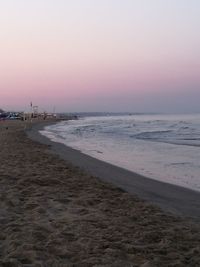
175, 199
53, 213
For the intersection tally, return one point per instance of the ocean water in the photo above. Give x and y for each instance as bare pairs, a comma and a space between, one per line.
162, 147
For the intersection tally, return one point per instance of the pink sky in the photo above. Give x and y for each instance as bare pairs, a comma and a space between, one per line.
110, 56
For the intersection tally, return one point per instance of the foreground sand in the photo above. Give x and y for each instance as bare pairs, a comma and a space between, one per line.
52, 214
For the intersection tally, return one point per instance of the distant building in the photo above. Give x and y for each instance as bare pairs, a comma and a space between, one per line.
3, 114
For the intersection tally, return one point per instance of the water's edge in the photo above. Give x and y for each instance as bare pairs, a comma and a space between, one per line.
172, 198
115, 140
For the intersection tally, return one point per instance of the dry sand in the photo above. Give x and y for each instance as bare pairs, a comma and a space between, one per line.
53, 214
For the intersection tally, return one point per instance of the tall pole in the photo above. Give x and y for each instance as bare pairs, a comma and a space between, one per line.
31, 104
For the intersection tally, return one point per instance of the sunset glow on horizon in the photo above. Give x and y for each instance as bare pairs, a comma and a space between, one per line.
91, 55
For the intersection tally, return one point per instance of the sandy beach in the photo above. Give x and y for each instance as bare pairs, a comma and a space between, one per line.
53, 213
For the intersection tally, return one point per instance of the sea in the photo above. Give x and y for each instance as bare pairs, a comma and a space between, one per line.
159, 146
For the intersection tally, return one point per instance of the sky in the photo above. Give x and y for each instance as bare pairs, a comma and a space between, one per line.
100, 55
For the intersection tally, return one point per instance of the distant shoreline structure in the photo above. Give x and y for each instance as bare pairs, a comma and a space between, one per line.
10, 115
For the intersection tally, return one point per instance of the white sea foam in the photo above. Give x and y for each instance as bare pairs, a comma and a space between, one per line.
163, 147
